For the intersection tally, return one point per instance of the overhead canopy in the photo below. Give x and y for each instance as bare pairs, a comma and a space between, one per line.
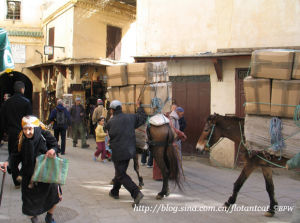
215, 58
61, 65
73, 61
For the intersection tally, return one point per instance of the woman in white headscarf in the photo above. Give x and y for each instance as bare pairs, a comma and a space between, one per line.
38, 197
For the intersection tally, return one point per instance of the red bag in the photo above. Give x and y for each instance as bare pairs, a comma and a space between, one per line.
156, 172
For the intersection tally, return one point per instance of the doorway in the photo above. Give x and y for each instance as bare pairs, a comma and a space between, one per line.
240, 75
193, 94
7, 81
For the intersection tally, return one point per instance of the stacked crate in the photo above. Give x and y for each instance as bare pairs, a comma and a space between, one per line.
147, 81
273, 90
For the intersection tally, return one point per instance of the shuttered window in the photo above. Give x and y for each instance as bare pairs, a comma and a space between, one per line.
51, 42
113, 42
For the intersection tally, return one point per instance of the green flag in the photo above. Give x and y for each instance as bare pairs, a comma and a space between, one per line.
6, 59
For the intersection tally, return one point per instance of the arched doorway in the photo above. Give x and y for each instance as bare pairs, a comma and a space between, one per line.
7, 81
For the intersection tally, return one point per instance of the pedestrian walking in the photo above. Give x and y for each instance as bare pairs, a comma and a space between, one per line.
6, 96
182, 123
77, 118
12, 112
121, 129
37, 197
61, 118
100, 140
145, 154
174, 123
97, 114
92, 127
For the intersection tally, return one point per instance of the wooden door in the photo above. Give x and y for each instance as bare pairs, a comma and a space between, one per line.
240, 74
193, 94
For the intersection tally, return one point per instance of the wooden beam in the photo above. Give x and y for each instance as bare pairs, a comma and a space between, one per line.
37, 72
218, 68
62, 70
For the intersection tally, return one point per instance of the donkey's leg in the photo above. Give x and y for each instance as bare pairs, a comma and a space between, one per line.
136, 167
247, 170
267, 171
159, 159
165, 187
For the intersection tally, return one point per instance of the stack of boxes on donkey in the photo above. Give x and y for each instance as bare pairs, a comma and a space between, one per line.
147, 81
273, 90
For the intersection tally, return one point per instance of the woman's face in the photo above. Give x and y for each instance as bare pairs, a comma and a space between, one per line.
28, 132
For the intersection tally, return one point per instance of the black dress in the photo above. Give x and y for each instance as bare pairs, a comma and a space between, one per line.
42, 196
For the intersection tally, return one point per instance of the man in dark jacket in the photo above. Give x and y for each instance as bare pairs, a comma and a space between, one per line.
77, 117
61, 118
12, 112
121, 129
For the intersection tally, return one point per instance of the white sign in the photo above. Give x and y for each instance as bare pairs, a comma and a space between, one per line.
19, 53
48, 50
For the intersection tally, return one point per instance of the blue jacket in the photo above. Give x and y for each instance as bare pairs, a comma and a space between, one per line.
53, 116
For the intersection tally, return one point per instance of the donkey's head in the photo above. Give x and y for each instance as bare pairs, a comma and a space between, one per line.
210, 135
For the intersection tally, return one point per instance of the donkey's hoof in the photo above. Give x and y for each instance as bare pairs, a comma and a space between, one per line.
159, 197
269, 214
140, 187
226, 205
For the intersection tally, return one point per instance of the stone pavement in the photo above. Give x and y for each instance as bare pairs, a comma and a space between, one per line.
86, 200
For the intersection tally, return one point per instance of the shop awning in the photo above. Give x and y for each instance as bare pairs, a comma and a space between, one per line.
215, 58
70, 62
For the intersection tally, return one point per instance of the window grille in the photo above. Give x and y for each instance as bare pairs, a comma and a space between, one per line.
13, 10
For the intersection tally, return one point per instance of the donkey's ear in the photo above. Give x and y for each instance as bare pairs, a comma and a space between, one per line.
214, 118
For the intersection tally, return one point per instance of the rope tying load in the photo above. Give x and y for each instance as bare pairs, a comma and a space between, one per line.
277, 140
297, 116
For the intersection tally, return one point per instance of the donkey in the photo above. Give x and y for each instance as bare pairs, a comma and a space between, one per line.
218, 126
161, 142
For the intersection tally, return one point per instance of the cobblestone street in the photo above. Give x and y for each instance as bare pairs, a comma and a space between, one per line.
85, 195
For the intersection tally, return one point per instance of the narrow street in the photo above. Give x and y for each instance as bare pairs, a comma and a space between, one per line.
85, 195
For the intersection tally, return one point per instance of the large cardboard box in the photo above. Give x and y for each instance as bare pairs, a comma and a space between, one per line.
285, 97
275, 64
113, 93
296, 67
258, 96
258, 138
152, 96
155, 96
128, 99
150, 72
116, 75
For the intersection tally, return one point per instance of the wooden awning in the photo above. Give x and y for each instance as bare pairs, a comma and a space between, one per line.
68, 63
215, 58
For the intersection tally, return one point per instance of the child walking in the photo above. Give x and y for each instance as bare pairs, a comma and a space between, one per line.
100, 140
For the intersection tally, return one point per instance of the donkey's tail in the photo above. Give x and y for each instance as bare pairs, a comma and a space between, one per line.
173, 160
